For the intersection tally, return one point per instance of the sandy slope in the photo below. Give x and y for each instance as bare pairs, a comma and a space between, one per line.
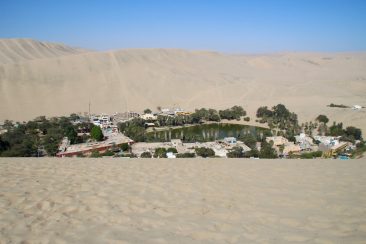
22, 50
182, 201
136, 79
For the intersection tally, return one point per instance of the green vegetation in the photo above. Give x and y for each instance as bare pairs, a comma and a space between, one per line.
311, 155
146, 155
322, 119
186, 155
125, 147
249, 140
236, 152
332, 105
233, 113
107, 153
40, 136
205, 114
160, 153
206, 132
95, 154
267, 151
147, 111
134, 129
349, 134
360, 150
205, 152
247, 119
96, 133
281, 118
172, 150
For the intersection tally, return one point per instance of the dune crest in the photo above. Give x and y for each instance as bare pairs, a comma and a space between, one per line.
22, 50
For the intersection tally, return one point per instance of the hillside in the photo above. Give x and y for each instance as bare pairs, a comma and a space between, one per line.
139, 78
21, 50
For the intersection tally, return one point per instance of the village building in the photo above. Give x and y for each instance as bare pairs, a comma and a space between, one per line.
305, 142
123, 117
113, 140
291, 147
149, 117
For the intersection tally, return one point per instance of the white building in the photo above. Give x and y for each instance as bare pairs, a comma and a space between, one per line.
305, 142
230, 140
149, 117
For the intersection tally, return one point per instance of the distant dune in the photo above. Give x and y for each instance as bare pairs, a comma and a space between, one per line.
21, 50
182, 201
52, 79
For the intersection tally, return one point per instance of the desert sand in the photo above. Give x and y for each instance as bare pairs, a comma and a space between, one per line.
38, 78
182, 201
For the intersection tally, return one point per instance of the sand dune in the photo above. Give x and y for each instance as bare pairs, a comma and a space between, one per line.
182, 201
22, 50
139, 78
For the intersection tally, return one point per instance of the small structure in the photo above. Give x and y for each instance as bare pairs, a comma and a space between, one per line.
230, 140
149, 117
123, 117
113, 140
334, 150
291, 147
102, 121
149, 125
305, 142
176, 142
357, 107
170, 155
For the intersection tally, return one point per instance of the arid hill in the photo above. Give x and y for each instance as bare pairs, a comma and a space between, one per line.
38, 78
21, 50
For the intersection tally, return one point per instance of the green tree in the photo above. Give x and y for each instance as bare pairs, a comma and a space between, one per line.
186, 155
264, 112
267, 151
95, 154
96, 133
147, 111
236, 152
336, 129
356, 133
205, 152
4, 145
146, 155
125, 147
322, 119
249, 140
172, 149
160, 152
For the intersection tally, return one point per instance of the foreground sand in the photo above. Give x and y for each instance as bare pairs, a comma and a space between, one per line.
182, 201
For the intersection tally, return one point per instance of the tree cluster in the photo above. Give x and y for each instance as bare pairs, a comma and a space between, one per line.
33, 138
205, 152
233, 113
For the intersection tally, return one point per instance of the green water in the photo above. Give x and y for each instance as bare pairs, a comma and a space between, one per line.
204, 133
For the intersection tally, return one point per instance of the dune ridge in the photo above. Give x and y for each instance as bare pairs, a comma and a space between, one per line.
134, 79
22, 50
